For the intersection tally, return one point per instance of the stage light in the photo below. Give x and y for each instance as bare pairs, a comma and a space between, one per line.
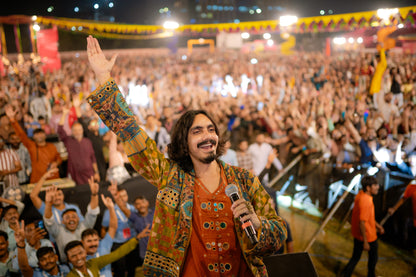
339, 40
96, 6
76, 9
73, 28
258, 11
386, 13
251, 12
80, 28
171, 25
34, 18
351, 40
400, 26
287, 20
36, 27
201, 40
50, 9
270, 42
330, 12
321, 12
111, 4
245, 35
253, 61
267, 36
360, 40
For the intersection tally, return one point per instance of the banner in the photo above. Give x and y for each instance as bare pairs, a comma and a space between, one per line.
47, 44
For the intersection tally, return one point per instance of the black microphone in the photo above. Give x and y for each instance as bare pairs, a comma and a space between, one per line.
232, 191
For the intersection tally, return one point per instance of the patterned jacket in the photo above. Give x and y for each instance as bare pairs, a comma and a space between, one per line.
172, 223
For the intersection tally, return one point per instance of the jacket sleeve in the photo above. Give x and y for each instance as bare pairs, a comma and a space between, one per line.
117, 254
272, 233
110, 105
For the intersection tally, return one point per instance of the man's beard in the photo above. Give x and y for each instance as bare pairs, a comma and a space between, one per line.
207, 160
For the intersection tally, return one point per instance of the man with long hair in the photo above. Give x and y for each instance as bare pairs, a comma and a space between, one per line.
196, 230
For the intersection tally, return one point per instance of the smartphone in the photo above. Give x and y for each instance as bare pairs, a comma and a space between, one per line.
40, 224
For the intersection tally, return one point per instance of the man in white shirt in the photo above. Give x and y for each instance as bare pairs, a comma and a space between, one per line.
71, 227
260, 151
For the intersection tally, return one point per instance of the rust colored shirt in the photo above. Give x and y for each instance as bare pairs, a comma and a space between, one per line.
364, 211
214, 249
411, 192
41, 156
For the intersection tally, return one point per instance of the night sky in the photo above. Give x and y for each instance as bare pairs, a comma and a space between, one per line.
146, 11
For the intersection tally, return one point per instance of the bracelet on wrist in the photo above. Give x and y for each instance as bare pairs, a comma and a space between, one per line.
21, 247
94, 194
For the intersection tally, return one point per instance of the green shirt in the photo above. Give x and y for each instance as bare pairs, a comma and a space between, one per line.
94, 265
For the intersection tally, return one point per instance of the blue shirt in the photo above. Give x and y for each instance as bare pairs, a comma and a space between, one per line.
31, 253
104, 248
366, 153
63, 271
124, 232
139, 224
57, 214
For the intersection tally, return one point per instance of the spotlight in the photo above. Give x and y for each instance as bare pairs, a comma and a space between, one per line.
267, 36
171, 25
245, 35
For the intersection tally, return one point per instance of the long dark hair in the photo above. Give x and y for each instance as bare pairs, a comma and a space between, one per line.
178, 148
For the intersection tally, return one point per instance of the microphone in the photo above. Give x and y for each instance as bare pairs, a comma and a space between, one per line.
232, 192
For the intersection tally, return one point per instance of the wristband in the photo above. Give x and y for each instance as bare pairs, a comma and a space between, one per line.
94, 194
21, 247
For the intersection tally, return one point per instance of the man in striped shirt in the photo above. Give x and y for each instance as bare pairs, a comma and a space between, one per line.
9, 166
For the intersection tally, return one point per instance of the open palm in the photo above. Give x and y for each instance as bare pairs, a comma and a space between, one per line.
99, 64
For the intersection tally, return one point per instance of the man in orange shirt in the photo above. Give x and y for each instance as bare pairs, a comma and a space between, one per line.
42, 154
410, 192
364, 227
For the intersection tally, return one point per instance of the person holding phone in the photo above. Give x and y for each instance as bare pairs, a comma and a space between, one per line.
34, 233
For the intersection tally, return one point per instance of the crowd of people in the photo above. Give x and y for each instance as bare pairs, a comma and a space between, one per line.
268, 112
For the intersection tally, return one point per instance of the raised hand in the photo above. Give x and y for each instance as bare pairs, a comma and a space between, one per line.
50, 194
10, 112
144, 233
39, 234
107, 202
19, 234
99, 64
52, 170
94, 187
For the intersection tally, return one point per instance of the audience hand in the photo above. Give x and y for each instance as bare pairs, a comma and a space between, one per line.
50, 194
19, 234
107, 202
39, 234
94, 187
144, 233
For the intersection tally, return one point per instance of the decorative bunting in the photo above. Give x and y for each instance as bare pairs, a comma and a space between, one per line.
327, 23
17, 38
3, 41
